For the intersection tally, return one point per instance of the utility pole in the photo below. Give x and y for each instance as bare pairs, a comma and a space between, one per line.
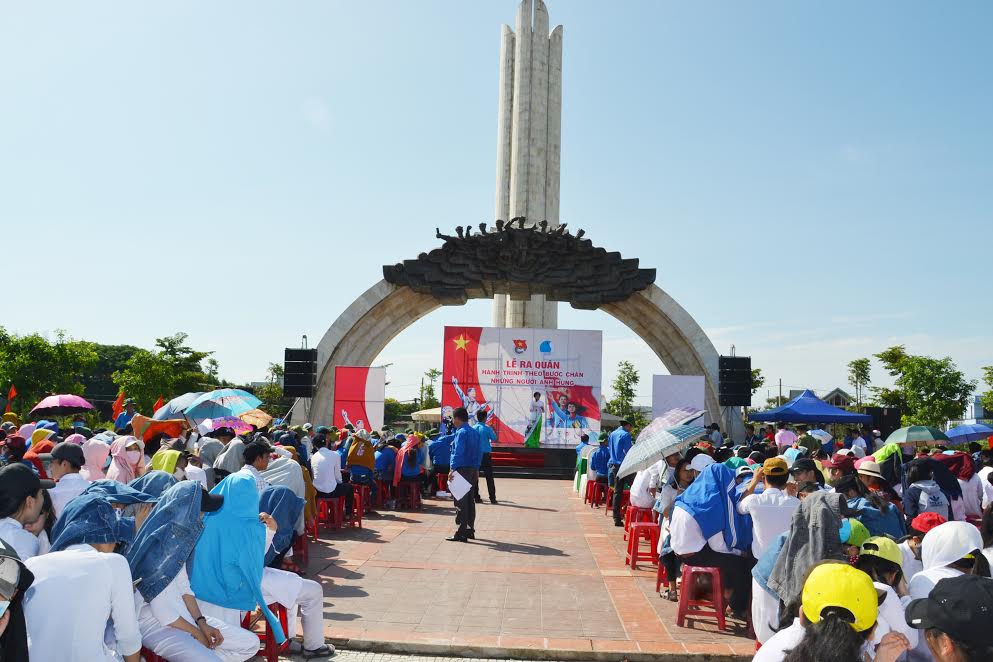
780, 390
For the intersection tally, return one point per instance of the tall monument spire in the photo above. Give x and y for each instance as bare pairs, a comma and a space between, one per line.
529, 128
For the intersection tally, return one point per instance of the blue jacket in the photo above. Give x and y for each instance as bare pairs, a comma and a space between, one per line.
118, 493
466, 448
285, 507
386, 460
440, 450
620, 443
153, 483
486, 435
879, 524
712, 501
91, 519
599, 460
409, 470
165, 541
230, 554
763, 567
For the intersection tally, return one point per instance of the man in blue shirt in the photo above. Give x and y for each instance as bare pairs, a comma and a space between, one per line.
620, 443
124, 418
486, 436
466, 456
600, 460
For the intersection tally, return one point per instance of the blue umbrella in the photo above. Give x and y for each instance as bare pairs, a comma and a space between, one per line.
220, 403
967, 433
174, 408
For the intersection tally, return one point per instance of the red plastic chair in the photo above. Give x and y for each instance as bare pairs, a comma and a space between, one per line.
300, 548
660, 577
634, 514
714, 607
358, 505
270, 650
409, 495
625, 499
149, 656
331, 512
442, 482
649, 532
383, 492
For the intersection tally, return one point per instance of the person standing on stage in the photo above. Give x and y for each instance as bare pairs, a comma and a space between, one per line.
466, 455
486, 437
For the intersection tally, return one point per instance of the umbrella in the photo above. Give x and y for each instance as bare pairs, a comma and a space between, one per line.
256, 417
917, 434
220, 403
61, 405
967, 433
655, 442
822, 436
145, 428
232, 422
678, 416
174, 408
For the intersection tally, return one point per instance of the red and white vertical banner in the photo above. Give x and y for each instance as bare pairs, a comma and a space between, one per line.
359, 394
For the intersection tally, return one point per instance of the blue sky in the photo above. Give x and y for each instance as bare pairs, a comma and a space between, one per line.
811, 180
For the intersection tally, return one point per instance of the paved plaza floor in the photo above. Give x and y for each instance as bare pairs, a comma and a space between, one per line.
545, 579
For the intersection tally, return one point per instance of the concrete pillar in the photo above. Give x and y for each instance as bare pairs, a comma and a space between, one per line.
505, 123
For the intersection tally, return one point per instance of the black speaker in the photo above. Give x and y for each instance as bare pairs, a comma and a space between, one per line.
735, 381
885, 419
299, 372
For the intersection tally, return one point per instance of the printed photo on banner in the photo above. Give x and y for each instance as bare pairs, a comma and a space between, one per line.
539, 388
359, 397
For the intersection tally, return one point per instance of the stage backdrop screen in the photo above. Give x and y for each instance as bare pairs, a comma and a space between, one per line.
359, 393
540, 388
674, 391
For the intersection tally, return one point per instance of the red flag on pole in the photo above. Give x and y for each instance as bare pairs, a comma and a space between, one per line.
158, 405
118, 405
11, 394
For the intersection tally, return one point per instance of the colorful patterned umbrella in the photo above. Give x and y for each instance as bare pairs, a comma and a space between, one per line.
256, 417
656, 442
61, 405
220, 403
236, 424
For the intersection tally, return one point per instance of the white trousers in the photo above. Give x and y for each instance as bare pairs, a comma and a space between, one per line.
310, 600
765, 613
178, 646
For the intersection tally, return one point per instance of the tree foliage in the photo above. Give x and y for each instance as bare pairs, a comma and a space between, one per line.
271, 393
624, 386
927, 390
775, 401
171, 370
429, 398
38, 367
859, 376
758, 380
395, 410
987, 397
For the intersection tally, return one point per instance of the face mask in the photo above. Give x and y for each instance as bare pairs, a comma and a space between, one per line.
179, 474
134, 456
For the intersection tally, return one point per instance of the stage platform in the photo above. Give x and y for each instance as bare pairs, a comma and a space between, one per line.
519, 462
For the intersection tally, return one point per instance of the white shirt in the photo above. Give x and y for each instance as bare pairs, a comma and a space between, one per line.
97, 587
686, 537
785, 640
972, 495
640, 496
771, 512
984, 474
327, 470
66, 489
911, 564
260, 482
859, 447
890, 617
168, 606
196, 474
24, 542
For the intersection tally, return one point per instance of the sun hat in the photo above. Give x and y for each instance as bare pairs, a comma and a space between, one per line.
744, 469
926, 521
775, 466
882, 547
870, 469
842, 586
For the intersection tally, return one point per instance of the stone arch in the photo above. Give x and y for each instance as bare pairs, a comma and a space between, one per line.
381, 313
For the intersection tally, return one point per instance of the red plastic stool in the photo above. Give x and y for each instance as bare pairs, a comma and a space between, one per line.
598, 493
625, 499
715, 606
649, 532
443, 482
366, 493
267, 640
358, 506
634, 514
310, 528
331, 512
149, 656
300, 548
409, 494
660, 577
385, 489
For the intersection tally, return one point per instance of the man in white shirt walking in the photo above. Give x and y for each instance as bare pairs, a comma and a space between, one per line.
772, 509
66, 461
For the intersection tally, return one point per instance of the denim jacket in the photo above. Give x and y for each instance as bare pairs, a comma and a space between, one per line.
285, 507
90, 519
153, 483
165, 541
118, 493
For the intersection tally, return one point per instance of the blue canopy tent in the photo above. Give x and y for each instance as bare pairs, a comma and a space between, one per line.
808, 408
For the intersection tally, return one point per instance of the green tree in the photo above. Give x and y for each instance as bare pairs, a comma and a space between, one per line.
758, 380
271, 394
171, 370
987, 398
622, 404
859, 377
775, 401
38, 367
395, 410
929, 391
429, 398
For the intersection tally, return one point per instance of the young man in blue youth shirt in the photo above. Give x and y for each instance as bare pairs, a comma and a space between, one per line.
620, 443
466, 456
486, 437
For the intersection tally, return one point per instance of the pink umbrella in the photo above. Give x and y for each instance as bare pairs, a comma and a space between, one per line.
61, 405
232, 422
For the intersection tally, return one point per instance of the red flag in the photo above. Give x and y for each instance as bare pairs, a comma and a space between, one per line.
11, 394
118, 405
158, 405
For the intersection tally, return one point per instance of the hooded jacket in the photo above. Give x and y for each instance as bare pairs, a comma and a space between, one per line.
286, 508
95, 452
712, 501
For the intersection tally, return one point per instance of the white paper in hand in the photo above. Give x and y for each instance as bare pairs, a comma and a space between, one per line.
458, 485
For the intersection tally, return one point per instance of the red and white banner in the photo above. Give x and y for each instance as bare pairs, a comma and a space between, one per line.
539, 387
359, 393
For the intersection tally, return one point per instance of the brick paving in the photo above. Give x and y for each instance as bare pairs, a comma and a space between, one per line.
544, 579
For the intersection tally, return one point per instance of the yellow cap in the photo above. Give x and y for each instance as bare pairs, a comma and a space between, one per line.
840, 585
882, 547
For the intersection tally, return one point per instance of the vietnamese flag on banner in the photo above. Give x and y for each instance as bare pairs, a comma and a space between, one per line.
11, 394
118, 406
359, 397
158, 405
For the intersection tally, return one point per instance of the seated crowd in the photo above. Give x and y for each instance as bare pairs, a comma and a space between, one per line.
173, 546
827, 551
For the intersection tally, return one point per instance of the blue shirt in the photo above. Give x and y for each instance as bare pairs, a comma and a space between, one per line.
486, 435
408, 470
386, 460
620, 443
466, 448
440, 450
122, 420
598, 461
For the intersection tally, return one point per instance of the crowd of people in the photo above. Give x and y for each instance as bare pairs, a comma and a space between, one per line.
829, 550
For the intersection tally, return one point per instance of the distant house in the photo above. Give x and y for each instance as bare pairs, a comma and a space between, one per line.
837, 397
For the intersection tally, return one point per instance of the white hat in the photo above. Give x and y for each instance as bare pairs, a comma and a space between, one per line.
701, 462
308, 427
844, 451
